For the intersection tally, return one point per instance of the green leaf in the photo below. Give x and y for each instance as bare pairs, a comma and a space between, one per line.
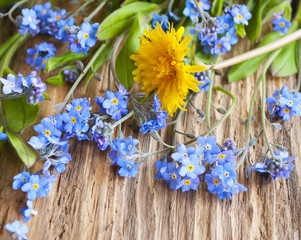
19, 114
24, 152
67, 57
246, 68
124, 65
5, 46
46, 96
240, 30
59, 80
217, 7
202, 57
5, 3
100, 60
254, 27
122, 19
1, 141
284, 6
285, 63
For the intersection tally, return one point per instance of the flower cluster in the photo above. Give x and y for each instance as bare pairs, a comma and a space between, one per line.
70, 75
284, 104
185, 170
280, 165
114, 104
218, 34
42, 19
30, 86
204, 79
155, 119
40, 54
281, 24
192, 11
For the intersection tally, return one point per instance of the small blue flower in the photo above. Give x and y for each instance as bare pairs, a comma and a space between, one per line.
241, 14
228, 174
162, 20
3, 136
191, 9
11, 84
42, 11
230, 37
159, 165
64, 29
35, 187
224, 157
38, 142
236, 187
102, 133
50, 178
127, 147
214, 181
18, 229
48, 130
220, 46
55, 16
191, 167
116, 154
281, 165
27, 212
87, 34
190, 183
209, 147
281, 25
75, 45
226, 23
115, 105
127, 169
80, 104
170, 175
30, 22
72, 121
185, 154
20, 180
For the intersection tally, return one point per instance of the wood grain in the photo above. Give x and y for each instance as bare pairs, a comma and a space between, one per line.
90, 201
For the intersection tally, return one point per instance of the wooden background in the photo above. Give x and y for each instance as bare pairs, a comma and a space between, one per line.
90, 201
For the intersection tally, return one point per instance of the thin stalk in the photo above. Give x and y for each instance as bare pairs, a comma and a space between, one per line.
10, 12
299, 67
200, 11
83, 6
89, 18
126, 117
222, 119
258, 51
80, 77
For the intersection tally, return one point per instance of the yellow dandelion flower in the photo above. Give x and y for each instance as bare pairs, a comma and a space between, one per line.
160, 67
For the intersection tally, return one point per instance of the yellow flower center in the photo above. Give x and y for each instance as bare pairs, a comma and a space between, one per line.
86, 36
44, 12
282, 24
114, 101
239, 16
216, 181
208, 146
160, 67
73, 120
44, 61
222, 156
36, 186
35, 56
290, 102
286, 110
66, 28
198, 31
78, 108
190, 167
219, 45
174, 176
58, 18
187, 182
128, 166
47, 132
117, 154
29, 18
202, 83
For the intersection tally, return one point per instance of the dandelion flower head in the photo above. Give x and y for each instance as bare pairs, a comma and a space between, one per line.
160, 66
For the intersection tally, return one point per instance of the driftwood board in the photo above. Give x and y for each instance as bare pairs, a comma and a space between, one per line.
90, 201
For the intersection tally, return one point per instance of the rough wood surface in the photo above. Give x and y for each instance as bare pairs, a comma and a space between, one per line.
90, 201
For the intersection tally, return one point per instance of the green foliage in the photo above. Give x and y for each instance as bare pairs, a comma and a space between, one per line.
254, 27
5, 3
202, 57
24, 152
124, 65
284, 6
246, 68
1, 141
46, 96
59, 80
67, 57
5, 46
240, 30
217, 7
103, 57
122, 19
19, 114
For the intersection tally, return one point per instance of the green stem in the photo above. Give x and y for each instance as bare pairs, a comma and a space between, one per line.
222, 119
83, 6
10, 12
89, 18
126, 117
60, 106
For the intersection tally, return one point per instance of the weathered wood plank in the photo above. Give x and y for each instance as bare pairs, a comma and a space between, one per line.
90, 201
